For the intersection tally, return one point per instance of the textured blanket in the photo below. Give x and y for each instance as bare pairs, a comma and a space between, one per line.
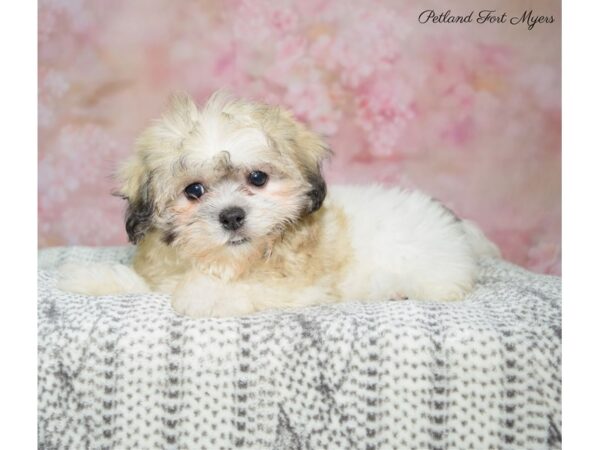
126, 372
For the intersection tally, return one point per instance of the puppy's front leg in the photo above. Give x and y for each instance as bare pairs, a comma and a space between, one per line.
204, 296
98, 279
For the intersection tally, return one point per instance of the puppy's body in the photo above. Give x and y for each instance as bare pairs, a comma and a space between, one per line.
286, 245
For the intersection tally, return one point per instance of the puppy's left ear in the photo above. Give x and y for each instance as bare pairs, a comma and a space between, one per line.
318, 188
310, 151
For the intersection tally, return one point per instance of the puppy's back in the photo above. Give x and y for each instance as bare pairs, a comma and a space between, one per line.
406, 238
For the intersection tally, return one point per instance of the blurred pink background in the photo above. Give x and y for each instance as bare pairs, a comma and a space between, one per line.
470, 113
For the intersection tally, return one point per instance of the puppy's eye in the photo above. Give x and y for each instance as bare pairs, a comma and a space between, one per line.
258, 178
194, 191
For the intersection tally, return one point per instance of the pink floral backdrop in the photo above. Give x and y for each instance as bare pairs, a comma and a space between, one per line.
470, 113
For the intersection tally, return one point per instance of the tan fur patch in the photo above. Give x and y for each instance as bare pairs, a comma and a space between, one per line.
315, 250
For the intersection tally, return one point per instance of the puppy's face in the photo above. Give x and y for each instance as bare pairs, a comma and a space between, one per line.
222, 182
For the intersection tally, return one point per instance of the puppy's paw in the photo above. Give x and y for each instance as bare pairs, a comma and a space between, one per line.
98, 279
204, 298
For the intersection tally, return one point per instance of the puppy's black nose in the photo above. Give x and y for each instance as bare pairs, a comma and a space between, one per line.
232, 218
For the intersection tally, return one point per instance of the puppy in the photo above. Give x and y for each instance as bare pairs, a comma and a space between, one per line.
231, 215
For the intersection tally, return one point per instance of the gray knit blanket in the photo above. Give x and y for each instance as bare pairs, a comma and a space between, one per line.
126, 372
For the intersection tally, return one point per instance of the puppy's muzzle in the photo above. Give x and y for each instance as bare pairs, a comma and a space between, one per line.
232, 218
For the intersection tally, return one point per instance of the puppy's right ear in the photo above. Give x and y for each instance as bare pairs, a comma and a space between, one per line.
137, 190
135, 176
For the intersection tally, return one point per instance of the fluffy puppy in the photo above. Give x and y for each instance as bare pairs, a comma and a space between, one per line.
231, 215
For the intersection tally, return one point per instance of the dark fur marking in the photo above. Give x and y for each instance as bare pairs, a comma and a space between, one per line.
138, 218
169, 236
180, 165
448, 210
222, 161
119, 194
317, 194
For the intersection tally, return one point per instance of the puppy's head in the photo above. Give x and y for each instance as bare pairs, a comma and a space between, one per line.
222, 180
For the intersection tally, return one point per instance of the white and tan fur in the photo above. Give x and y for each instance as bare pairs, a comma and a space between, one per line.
297, 246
